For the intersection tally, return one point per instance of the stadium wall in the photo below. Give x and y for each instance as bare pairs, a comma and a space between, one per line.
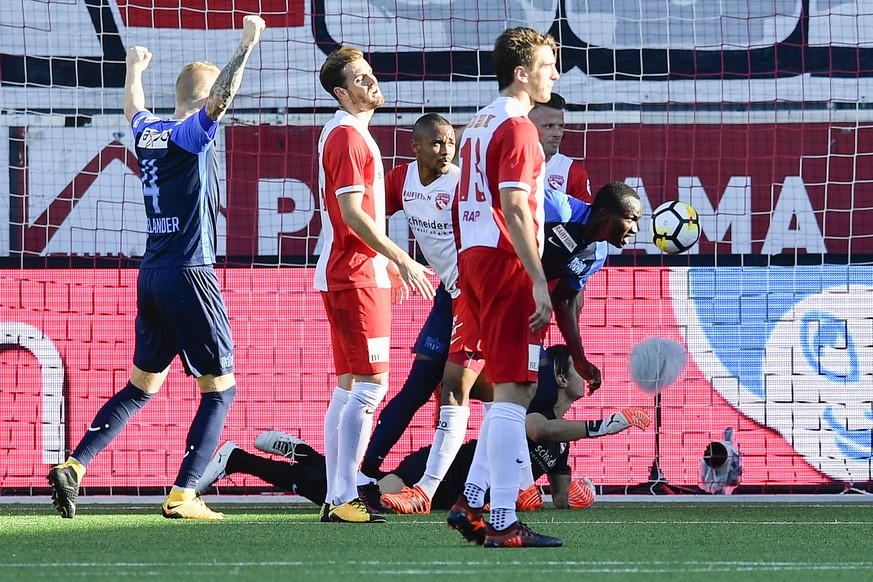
758, 364
754, 113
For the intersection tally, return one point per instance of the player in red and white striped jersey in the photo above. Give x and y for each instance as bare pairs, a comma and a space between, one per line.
562, 172
357, 272
499, 230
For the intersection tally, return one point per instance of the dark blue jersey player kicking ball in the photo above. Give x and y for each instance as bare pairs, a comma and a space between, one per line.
180, 310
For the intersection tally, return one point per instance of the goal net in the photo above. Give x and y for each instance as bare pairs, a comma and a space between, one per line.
754, 113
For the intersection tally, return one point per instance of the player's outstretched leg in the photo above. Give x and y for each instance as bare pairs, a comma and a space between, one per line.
217, 467
467, 520
518, 535
64, 480
280, 443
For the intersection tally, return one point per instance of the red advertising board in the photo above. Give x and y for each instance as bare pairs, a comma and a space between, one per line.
81, 320
760, 188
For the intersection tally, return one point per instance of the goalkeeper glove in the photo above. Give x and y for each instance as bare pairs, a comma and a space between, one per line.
628, 417
581, 494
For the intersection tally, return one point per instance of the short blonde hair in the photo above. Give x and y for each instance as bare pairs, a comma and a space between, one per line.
192, 85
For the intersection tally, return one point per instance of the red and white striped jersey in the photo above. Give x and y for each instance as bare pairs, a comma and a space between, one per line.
500, 148
349, 161
428, 210
569, 176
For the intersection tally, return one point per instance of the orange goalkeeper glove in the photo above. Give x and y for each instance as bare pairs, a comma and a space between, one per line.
628, 417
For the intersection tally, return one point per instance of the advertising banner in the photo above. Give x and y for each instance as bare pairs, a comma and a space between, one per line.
790, 374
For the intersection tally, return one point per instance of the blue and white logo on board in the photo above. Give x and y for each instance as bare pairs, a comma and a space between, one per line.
791, 348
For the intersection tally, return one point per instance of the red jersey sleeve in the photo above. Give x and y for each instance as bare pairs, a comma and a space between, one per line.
516, 153
394, 181
346, 158
578, 182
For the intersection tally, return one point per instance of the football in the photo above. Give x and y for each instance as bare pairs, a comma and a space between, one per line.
655, 363
675, 227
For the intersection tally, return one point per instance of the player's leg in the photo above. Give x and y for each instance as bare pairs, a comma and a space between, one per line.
195, 309
465, 516
508, 453
307, 479
363, 317
332, 417
356, 425
461, 372
338, 401
431, 349
153, 352
512, 354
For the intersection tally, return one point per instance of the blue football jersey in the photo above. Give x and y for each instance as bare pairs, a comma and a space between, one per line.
549, 457
179, 172
567, 255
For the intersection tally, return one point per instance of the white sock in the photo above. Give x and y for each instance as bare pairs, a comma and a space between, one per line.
478, 476
363, 479
449, 436
505, 442
331, 437
356, 424
526, 479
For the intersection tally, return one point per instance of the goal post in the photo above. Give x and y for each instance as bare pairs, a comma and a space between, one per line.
755, 114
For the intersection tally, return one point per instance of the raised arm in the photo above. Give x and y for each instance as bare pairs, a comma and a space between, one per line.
230, 77
137, 61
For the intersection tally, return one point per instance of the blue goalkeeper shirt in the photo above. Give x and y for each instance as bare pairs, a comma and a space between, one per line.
179, 172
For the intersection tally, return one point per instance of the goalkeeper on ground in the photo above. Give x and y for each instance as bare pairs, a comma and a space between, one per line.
548, 435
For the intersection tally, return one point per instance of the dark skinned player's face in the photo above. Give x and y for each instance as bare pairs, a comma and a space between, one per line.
435, 148
620, 226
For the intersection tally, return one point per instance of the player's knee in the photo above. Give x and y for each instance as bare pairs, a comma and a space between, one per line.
213, 383
369, 394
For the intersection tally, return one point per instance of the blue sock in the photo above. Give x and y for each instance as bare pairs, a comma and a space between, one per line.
109, 421
424, 377
203, 436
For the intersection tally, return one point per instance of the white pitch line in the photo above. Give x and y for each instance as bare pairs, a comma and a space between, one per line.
463, 567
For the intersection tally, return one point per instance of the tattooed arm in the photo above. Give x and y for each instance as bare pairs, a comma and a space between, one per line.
138, 59
230, 77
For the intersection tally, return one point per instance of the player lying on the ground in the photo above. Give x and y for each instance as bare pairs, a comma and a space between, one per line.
549, 435
578, 235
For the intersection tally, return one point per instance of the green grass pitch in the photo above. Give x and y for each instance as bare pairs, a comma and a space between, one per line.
610, 541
